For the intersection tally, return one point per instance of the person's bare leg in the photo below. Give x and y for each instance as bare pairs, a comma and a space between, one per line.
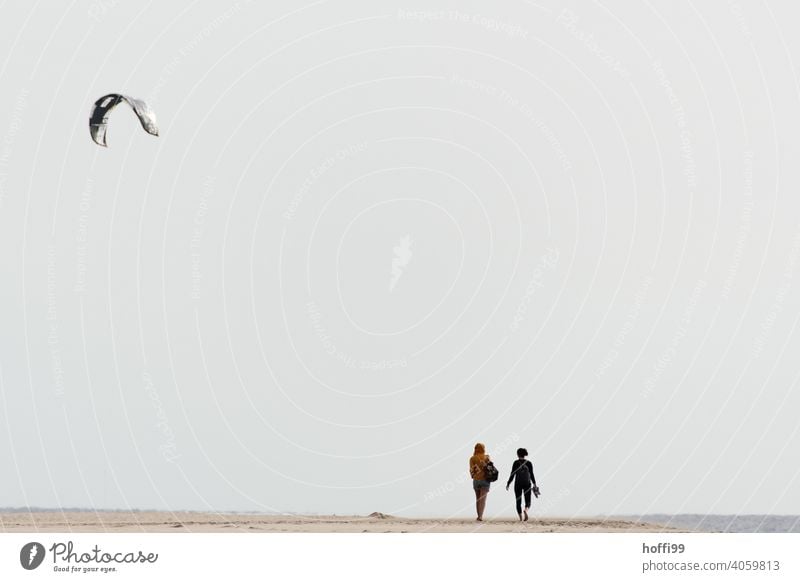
478, 503
484, 491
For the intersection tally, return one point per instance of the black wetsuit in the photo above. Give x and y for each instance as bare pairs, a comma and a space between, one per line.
523, 481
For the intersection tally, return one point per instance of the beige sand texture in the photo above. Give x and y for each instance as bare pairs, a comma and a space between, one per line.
196, 522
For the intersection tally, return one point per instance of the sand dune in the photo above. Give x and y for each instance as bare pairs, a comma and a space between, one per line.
152, 521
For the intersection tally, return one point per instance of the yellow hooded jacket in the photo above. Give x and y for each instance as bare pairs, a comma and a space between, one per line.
477, 463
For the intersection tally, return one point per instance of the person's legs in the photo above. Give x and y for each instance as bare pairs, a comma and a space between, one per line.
518, 496
477, 502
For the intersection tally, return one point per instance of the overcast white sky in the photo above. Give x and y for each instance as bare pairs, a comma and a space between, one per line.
369, 236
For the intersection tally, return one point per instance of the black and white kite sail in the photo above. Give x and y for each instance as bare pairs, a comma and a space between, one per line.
98, 121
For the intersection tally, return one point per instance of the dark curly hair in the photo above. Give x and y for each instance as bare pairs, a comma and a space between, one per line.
522, 452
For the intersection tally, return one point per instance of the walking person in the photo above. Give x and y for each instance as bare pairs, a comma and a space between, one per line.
480, 483
524, 482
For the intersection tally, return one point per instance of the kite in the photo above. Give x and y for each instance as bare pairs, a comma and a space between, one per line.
98, 121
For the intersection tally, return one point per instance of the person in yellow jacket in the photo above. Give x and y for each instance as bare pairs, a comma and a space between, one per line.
477, 466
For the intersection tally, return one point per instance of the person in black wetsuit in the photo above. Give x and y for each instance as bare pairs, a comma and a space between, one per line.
524, 481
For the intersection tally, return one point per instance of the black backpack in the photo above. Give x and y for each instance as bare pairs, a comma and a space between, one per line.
524, 474
491, 472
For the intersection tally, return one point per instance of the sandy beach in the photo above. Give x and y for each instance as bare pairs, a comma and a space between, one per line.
195, 522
